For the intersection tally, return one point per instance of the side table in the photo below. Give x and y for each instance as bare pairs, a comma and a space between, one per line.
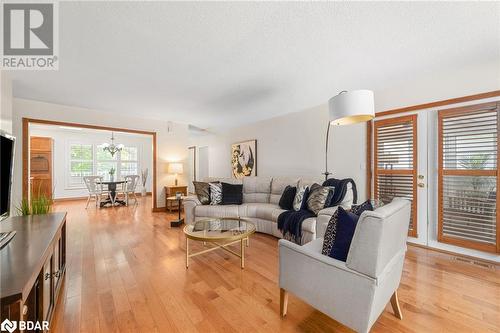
179, 221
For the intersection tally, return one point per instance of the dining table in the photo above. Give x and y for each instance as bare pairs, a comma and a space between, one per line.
112, 185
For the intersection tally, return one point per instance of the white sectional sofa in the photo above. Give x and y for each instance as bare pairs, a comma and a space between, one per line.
261, 196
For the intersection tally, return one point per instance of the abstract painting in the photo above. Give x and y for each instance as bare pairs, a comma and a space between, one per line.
244, 159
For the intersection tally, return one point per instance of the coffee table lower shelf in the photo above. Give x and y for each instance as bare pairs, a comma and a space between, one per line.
223, 246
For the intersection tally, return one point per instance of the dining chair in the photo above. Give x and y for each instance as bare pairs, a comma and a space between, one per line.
95, 188
130, 186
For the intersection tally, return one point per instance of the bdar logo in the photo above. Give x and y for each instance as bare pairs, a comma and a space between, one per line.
8, 326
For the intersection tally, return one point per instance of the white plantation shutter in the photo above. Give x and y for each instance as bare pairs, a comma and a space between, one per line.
468, 176
395, 161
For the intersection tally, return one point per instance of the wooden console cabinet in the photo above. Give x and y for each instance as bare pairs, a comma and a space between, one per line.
32, 267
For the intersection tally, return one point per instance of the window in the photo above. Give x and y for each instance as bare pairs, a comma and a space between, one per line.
105, 162
395, 162
468, 176
81, 163
129, 161
89, 159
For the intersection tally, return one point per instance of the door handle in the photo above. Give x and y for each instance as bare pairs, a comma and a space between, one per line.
421, 185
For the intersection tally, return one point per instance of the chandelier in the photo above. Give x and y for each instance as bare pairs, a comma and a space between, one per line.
112, 147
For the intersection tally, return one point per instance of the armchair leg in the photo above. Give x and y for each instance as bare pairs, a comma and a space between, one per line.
88, 200
283, 302
395, 305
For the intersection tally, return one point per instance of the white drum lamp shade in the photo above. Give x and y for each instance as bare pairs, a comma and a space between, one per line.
175, 168
348, 107
351, 107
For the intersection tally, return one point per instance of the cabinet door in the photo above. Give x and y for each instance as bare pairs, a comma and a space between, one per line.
41, 143
57, 264
47, 284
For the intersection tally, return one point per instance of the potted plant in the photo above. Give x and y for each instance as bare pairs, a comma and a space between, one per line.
144, 179
38, 204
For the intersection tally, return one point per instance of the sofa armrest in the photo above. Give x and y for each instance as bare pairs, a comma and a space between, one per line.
298, 254
190, 204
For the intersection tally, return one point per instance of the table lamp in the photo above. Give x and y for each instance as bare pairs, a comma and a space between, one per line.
348, 107
176, 169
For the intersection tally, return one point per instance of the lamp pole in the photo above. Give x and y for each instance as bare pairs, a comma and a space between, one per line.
326, 173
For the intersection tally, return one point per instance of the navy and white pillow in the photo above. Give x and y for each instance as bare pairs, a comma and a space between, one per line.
358, 209
300, 197
330, 233
333, 229
346, 225
215, 193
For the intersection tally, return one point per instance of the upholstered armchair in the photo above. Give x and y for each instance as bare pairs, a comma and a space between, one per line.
354, 292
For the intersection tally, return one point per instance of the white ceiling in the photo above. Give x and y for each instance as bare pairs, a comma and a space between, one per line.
215, 64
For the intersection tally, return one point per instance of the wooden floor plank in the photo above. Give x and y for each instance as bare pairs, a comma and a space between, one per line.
126, 273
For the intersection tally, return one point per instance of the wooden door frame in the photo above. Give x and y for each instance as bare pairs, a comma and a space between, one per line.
25, 148
395, 120
194, 160
442, 114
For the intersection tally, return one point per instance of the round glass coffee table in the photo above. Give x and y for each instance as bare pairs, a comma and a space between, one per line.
219, 232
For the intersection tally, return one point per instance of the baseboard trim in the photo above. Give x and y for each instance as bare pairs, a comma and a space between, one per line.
70, 199
85, 197
159, 210
455, 254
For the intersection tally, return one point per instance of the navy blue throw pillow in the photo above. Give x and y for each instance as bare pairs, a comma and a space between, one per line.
286, 200
232, 194
346, 225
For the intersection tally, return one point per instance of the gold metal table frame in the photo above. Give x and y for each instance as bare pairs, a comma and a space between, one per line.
221, 242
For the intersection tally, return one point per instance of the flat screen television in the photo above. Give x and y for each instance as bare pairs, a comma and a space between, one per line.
7, 144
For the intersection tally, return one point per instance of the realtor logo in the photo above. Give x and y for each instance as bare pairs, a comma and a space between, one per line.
8, 326
29, 36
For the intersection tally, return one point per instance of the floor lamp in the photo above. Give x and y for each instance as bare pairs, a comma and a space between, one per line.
348, 107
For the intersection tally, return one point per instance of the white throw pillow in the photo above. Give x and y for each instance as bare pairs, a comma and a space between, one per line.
299, 197
215, 193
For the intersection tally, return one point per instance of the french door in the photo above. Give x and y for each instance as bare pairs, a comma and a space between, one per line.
468, 176
446, 162
395, 162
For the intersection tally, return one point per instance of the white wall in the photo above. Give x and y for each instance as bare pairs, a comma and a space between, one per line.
5, 102
293, 145
63, 138
172, 145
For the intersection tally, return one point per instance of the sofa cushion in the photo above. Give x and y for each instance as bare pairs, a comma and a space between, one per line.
216, 211
265, 211
223, 180
256, 189
278, 185
232, 194
309, 181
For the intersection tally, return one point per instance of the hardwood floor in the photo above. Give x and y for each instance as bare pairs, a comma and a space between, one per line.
126, 273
